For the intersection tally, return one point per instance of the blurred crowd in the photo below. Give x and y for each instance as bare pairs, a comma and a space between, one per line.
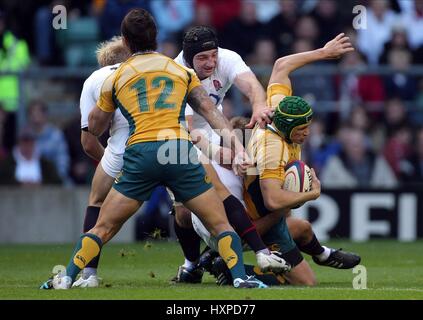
368, 129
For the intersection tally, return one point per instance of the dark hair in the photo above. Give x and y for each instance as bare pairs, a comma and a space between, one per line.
140, 31
196, 40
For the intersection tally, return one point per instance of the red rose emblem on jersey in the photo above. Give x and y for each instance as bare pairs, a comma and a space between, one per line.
217, 85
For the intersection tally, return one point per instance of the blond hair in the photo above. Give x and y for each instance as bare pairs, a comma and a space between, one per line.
112, 51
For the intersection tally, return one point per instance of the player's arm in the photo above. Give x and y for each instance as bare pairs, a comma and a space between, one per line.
334, 49
276, 198
248, 84
199, 100
92, 147
98, 121
223, 156
101, 115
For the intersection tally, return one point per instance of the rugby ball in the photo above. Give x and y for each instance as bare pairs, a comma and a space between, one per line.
297, 177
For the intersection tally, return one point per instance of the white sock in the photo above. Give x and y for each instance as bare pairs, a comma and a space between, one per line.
324, 255
89, 272
189, 264
265, 251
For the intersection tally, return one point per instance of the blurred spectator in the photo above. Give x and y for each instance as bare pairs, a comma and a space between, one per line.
413, 21
398, 41
316, 88
47, 49
417, 118
241, 33
395, 116
50, 140
397, 148
171, 16
360, 119
222, 11
14, 57
113, 12
266, 10
202, 17
399, 83
281, 27
3, 150
25, 166
356, 166
354, 88
328, 19
380, 20
319, 146
169, 48
412, 166
263, 57
7, 131
307, 29
81, 166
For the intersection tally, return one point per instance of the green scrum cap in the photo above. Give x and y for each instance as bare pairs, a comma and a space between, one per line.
291, 112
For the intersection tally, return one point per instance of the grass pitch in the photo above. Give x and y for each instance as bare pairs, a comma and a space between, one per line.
143, 271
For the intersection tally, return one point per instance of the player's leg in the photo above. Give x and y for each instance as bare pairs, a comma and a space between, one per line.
190, 243
131, 188
100, 187
224, 238
116, 209
105, 173
238, 217
303, 235
193, 188
280, 238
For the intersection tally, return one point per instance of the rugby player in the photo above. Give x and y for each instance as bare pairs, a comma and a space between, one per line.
109, 56
273, 148
151, 90
218, 69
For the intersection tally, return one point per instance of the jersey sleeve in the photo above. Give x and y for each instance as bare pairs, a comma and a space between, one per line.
271, 160
179, 59
188, 111
194, 82
86, 101
105, 101
276, 92
231, 64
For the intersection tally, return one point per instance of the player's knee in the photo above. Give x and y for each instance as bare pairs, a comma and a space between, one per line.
310, 281
306, 229
95, 199
183, 217
105, 231
219, 228
221, 190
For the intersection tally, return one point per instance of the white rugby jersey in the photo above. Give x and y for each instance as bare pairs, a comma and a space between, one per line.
229, 65
89, 96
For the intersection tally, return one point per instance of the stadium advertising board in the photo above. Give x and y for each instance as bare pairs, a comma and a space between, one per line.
361, 215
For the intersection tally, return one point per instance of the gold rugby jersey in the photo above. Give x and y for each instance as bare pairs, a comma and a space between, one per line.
150, 90
270, 154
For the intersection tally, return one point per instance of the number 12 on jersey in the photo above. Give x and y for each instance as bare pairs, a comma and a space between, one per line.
164, 83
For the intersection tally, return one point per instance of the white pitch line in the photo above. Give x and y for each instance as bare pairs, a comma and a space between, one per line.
347, 289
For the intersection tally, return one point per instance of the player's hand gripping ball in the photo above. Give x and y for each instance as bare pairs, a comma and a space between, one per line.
297, 178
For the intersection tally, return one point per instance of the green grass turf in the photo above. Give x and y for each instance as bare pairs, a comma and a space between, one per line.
143, 271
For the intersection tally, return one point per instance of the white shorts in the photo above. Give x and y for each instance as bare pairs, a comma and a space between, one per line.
235, 187
230, 180
112, 160
201, 230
